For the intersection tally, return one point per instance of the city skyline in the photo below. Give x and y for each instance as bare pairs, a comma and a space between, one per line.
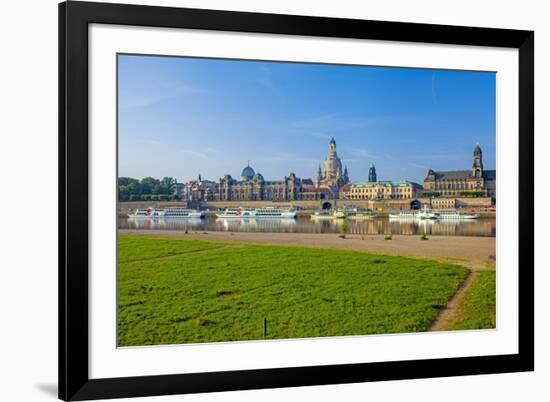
181, 117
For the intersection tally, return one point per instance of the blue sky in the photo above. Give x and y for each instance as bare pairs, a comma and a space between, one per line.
180, 117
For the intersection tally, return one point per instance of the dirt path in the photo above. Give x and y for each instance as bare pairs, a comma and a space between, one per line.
448, 315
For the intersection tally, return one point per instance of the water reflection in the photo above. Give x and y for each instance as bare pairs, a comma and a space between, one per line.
480, 227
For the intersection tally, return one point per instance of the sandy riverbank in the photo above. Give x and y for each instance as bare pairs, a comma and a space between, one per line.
473, 252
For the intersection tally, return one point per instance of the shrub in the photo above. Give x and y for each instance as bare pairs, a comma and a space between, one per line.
344, 229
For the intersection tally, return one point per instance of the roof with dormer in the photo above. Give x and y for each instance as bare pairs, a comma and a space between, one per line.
462, 175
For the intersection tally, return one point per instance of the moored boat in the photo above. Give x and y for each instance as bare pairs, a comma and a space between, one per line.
360, 215
453, 214
238, 213
258, 213
143, 213
272, 212
179, 212
320, 215
422, 215
403, 215
169, 212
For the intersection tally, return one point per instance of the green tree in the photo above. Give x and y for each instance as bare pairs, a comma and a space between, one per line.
167, 185
148, 184
123, 193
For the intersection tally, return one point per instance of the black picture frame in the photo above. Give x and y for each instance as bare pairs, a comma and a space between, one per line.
74, 381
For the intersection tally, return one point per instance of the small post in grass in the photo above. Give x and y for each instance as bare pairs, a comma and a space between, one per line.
265, 327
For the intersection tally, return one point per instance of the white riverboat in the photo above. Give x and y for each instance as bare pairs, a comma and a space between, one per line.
144, 213
356, 213
426, 214
321, 215
179, 212
360, 216
403, 215
233, 213
170, 212
258, 213
453, 214
271, 212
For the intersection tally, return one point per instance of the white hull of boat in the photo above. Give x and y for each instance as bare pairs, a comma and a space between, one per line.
169, 213
255, 215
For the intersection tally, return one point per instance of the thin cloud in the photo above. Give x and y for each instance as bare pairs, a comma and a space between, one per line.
266, 78
362, 154
339, 123
418, 166
321, 136
133, 101
194, 153
444, 156
315, 121
149, 141
291, 158
434, 95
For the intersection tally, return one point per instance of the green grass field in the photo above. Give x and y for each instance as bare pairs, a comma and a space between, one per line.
185, 291
477, 309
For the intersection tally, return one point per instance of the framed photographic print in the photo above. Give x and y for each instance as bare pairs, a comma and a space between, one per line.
257, 200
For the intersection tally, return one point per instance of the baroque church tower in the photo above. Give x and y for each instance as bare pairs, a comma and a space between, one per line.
372, 174
332, 176
477, 167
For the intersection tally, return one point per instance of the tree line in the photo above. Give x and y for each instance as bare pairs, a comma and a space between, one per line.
146, 189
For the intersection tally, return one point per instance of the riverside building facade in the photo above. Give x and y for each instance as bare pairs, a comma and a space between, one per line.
252, 186
476, 182
383, 190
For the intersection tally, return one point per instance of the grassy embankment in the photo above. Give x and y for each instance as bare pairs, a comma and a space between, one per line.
184, 291
477, 309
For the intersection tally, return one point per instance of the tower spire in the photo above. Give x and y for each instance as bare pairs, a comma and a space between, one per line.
346, 177
477, 166
372, 173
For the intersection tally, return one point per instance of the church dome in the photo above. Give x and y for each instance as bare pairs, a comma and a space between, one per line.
258, 177
247, 173
477, 149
